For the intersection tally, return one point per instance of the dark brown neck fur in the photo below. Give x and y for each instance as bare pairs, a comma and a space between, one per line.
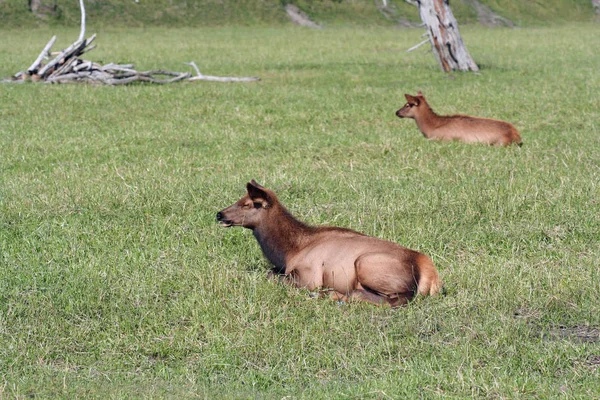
427, 119
281, 236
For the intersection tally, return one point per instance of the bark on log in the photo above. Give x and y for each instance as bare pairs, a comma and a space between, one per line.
446, 42
74, 48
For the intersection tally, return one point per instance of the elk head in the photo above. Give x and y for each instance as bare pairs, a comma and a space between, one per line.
251, 210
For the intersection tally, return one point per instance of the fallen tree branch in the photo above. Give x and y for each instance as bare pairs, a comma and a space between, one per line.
224, 78
418, 45
32, 69
200, 77
193, 65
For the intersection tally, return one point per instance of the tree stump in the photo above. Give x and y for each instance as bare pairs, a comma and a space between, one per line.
446, 42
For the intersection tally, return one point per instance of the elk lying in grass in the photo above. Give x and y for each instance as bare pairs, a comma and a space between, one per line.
463, 128
348, 263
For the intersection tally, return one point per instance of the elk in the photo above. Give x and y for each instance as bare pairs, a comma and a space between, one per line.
464, 128
348, 264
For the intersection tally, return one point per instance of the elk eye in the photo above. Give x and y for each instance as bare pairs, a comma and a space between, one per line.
258, 205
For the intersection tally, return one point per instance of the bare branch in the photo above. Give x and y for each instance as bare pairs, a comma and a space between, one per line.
90, 48
224, 78
82, 31
32, 69
418, 45
90, 40
200, 77
117, 67
193, 64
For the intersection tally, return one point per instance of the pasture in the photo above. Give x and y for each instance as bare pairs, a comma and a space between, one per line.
116, 281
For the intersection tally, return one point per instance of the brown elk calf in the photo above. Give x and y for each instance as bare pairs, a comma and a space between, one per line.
463, 128
348, 263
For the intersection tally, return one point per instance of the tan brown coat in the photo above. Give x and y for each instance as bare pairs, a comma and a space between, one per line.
463, 128
349, 263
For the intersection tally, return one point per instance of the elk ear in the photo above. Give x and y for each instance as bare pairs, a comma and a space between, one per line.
412, 99
258, 194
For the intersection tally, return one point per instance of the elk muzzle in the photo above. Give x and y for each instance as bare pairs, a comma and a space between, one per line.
222, 220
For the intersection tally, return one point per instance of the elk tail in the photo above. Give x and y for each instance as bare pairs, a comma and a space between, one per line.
429, 280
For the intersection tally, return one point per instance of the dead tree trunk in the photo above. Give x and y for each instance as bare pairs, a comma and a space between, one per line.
446, 42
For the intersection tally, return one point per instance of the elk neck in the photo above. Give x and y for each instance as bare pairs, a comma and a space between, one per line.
427, 119
281, 235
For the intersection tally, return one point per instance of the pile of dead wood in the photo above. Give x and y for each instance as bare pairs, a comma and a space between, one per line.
67, 66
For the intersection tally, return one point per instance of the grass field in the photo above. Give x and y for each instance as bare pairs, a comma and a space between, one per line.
330, 13
116, 281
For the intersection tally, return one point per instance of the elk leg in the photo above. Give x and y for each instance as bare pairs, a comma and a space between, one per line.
386, 276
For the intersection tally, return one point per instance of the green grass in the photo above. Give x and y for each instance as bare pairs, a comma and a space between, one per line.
329, 13
538, 12
116, 281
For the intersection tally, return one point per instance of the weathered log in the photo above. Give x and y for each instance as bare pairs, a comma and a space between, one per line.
73, 50
147, 77
63, 69
60, 57
119, 66
64, 78
33, 68
84, 66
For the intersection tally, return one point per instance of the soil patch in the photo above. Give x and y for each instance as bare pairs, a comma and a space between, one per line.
593, 361
578, 333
